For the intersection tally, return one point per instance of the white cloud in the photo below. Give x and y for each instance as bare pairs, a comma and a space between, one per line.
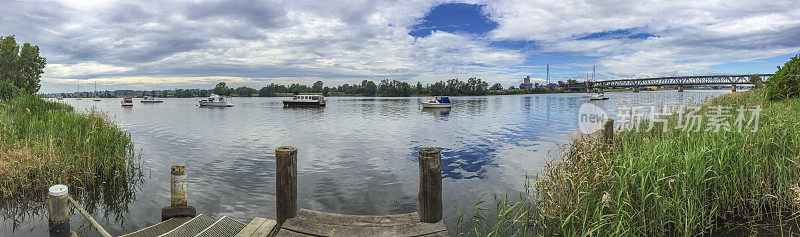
348, 41
79, 69
689, 36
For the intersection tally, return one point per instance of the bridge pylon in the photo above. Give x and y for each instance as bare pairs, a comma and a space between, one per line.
680, 88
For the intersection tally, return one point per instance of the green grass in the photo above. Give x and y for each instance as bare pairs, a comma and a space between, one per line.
44, 143
673, 182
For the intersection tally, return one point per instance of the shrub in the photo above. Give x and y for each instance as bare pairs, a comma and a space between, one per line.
7, 90
756, 81
786, 81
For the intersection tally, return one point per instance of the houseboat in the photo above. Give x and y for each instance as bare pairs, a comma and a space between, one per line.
305, 101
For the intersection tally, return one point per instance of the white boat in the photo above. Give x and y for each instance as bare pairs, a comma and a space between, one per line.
127, 102
305, 101
595, 97
215, 101
149, 99
96, 99
437, 102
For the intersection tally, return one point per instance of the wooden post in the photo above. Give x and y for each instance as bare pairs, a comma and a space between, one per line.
608, 131
58, 210
430, 185
286, 182
178, 196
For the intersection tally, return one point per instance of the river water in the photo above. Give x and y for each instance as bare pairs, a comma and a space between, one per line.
356, 156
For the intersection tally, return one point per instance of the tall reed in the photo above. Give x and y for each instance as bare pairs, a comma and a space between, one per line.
674, 182
44, 143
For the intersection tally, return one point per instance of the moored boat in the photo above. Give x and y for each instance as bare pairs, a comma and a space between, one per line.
215, 101
127, 102
437, 102
305, 101
596, 97
150, 99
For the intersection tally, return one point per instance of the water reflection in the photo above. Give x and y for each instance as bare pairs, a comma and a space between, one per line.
108, 199
438, 113
356, 155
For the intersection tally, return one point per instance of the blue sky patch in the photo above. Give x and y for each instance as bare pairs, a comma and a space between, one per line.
454, 18
616, 34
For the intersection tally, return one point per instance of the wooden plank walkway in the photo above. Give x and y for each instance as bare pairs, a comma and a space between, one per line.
314, 223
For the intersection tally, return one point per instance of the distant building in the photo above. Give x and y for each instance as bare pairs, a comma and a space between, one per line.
526, 83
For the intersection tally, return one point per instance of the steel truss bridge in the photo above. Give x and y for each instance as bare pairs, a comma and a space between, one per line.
668, 81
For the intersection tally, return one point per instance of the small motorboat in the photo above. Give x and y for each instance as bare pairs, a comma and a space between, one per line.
598, 96
149, 99
305, 101
127, 102
215, 101
437, 102
95, 99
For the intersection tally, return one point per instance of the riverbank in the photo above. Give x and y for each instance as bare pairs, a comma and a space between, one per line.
671, 181
44, 143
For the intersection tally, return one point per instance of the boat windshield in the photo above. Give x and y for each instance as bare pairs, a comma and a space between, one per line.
443, 99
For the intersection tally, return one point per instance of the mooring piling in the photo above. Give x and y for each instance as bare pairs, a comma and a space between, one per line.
58, 210
430, 184
179, 200
608, 131
286, 182
178, 195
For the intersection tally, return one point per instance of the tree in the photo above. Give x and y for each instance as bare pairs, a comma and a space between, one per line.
23, 67
368, 88
496, 87
326, 91
317, 87
756, 81
786, 81
222, 89
245, 91
419, 90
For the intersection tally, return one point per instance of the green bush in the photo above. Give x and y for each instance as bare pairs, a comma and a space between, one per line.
786, 81
756, 81
7, 90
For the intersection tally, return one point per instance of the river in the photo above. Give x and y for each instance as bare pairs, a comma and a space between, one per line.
356, 156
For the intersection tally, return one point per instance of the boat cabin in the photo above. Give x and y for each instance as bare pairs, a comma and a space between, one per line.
308, 97
443, 99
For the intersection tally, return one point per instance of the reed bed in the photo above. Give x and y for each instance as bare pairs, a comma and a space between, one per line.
44, 143
671, 182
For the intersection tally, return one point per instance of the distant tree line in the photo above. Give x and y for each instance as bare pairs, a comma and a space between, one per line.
390, 88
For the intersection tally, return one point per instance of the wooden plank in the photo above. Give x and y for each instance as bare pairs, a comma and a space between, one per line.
266, 229
313, 223
258, 227
251, 228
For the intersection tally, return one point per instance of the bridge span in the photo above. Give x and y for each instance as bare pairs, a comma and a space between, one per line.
732, 80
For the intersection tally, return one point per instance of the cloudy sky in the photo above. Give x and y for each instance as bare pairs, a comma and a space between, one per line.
190, 44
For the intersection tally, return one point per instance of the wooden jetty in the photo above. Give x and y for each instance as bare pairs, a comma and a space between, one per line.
180, 219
